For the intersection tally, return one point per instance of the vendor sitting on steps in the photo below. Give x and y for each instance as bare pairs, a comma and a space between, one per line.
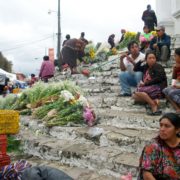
161, 45
154, 81
128, 78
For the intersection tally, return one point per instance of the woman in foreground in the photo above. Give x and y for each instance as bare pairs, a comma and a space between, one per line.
160, 160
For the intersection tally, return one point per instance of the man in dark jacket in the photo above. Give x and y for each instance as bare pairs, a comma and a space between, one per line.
161, 44
149, 18
111, 40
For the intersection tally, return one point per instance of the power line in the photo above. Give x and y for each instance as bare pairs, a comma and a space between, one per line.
25, 44
22, 41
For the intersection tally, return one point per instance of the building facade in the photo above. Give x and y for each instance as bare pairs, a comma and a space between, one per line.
168, 15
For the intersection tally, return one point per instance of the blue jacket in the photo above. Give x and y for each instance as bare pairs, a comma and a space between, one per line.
161, 41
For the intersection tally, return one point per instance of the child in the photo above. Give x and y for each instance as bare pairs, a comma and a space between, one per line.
172, 93
33, 80
145, 38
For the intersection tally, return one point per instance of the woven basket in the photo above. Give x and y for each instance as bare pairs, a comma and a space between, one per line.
9, 122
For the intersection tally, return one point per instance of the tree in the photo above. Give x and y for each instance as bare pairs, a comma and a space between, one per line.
5, 64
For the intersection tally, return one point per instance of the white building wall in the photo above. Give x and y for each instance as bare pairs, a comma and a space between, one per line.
164, 15
168, 14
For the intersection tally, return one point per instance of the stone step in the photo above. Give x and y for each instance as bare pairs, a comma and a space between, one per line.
119, 118
127, 139
74, 172
106, 160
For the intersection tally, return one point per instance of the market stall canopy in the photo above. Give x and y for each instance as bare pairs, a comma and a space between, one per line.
11, 76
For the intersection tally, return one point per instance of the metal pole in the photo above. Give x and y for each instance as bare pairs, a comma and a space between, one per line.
59, 34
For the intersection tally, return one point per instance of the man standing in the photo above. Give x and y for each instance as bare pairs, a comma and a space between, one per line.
67, 38
82, 38
161, 44
123, 32
149, 18
128, 78
111, 40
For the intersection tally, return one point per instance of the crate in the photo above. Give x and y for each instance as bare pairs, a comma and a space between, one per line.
9, 122
4, 160
3, 144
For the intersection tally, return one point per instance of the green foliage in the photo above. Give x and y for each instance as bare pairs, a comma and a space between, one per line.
26, 112
39, 94
129, 36
71, 113
14, 144
36, 93
41, 112
66, 113
8, 101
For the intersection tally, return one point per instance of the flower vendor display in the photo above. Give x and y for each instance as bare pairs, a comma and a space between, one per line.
54, 104
94, 55
89, 51
129, 36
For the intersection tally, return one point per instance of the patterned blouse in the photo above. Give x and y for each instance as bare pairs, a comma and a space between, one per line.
161, 160
14, 171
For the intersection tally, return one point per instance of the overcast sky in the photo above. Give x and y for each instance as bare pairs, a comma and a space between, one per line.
27, 30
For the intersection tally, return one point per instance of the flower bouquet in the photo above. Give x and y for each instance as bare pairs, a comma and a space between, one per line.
129, 36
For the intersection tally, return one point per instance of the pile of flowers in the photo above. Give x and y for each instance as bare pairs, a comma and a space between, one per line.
88, 113
55, 104
97, 54
89, 53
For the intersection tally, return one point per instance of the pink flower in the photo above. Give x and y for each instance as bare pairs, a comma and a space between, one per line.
142, 39
89, 116
127, 177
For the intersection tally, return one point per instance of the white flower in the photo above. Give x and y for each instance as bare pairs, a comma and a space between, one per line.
104, 47
83, 101
66, 95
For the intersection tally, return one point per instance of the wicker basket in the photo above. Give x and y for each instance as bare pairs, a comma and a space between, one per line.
9, 122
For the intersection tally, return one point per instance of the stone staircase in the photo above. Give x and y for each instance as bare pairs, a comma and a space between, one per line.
109, 149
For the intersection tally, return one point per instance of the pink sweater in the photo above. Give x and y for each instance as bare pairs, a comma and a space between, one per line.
47, 69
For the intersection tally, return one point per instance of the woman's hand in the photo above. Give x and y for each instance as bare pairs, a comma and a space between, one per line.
141, 83
148, 176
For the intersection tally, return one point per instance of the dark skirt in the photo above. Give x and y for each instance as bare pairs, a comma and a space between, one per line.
153, 91
68, 56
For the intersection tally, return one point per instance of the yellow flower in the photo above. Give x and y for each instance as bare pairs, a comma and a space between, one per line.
154, 33
130, 34
72, 101
92, 53
114, 51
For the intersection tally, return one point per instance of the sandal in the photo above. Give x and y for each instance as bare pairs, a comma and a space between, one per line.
156, 113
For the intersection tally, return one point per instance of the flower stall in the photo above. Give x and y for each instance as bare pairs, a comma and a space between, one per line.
129, 36
55, 104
